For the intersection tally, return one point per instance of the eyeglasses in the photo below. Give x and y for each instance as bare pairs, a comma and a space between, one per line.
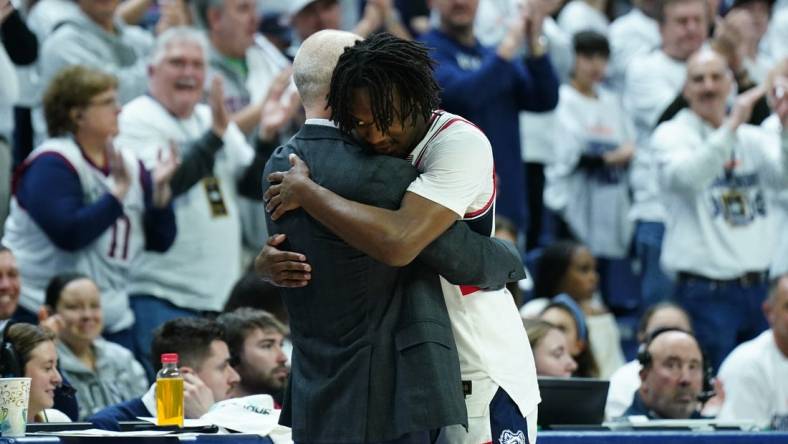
109, 101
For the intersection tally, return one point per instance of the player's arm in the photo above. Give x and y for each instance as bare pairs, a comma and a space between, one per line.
460, 255
394, 237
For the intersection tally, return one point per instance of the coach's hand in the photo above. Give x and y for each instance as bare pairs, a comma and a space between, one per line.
282, 268
285, 192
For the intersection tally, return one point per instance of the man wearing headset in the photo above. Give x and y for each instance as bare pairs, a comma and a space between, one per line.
672, 377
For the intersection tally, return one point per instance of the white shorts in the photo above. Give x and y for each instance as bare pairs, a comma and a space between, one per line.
492, 418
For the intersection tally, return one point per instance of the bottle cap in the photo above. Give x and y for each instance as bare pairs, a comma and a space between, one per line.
169, 358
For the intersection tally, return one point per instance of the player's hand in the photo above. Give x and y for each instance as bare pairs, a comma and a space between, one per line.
284, 193
197, 397
282, 268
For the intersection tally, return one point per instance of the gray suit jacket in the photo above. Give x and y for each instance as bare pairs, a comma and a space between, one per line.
373, 353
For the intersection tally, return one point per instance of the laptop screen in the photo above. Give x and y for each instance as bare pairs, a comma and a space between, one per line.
572, 401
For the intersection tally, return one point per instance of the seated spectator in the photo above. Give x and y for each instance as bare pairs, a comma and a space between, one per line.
588, 180
626, 380
204, 361
569, 267
672, 377
754, 374
564, 313
256, 340
9, 299
102, 372
9, 286
550, 348
100, 208
37, 359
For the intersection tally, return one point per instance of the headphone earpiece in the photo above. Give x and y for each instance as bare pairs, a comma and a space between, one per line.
643, 356
10, 366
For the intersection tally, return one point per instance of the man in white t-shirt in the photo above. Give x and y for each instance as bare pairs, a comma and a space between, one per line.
717, 174
456, 181
754, 374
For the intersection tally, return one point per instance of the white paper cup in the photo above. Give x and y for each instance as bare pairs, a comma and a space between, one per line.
14, 396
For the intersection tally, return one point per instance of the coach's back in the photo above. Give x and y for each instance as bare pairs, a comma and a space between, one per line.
344, 382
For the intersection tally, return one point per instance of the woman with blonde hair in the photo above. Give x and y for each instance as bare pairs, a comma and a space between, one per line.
551, 349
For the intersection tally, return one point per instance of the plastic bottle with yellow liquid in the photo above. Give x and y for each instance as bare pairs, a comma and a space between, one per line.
169, 392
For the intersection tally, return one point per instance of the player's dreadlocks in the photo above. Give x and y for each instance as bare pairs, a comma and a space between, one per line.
389, 68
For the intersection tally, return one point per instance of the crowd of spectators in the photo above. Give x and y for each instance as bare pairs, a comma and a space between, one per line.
641, 163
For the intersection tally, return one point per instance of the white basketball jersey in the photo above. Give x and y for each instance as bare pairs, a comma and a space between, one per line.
106, 260
456, 165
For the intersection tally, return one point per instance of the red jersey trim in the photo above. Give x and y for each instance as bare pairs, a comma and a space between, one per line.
486, 206
447, 124
468, 289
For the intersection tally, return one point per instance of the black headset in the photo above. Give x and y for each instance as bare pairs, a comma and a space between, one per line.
10, 364
645, 359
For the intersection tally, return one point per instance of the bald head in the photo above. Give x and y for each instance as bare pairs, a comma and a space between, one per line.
673, 378
314, 63
706, 56
708, 84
